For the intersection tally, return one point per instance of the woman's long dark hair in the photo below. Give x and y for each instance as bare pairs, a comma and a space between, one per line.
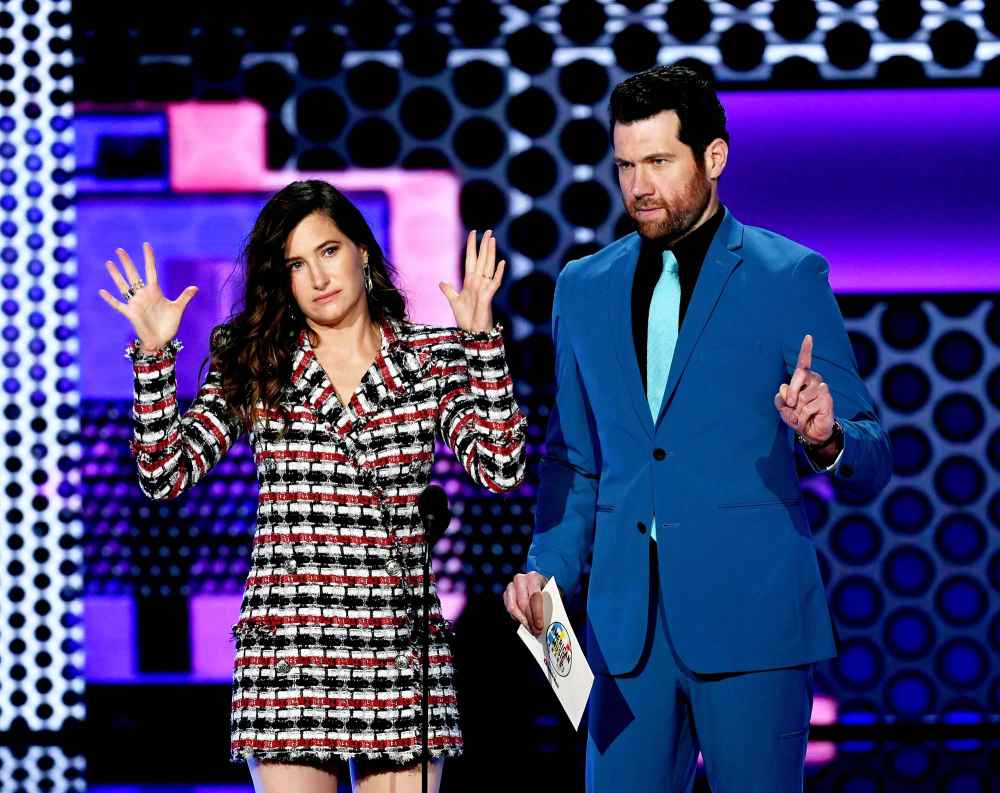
253, 350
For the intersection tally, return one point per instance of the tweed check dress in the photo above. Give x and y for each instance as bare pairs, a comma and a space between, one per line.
328, 642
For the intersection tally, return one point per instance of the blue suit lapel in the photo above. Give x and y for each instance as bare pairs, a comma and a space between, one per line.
722, 259
620, 274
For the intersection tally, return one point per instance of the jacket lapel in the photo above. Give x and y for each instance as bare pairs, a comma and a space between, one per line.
621, 273
315, 388
722, 259
397, 368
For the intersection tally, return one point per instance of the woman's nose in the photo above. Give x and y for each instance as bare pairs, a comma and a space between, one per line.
319, 277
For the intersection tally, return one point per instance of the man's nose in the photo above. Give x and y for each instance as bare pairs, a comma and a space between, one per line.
642, 186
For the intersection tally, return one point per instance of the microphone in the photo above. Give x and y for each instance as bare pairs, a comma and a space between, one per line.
434, 513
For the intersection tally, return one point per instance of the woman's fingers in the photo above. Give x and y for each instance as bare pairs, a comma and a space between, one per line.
131, 274
116, 276
185, 297
147, 252
484, 252
491, 258
498, 275
117, 305
470, 256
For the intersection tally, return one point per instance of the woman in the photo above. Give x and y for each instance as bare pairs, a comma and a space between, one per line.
343, 398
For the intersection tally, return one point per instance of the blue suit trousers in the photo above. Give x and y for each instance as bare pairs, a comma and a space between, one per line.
647, 727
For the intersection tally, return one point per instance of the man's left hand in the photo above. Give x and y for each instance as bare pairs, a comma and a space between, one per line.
806, 404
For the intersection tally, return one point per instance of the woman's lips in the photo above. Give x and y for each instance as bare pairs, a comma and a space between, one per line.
326, 298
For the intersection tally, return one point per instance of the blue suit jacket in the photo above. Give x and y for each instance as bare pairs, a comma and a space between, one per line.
738, 572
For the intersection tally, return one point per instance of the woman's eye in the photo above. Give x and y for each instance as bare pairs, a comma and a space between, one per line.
295, 266
330, 251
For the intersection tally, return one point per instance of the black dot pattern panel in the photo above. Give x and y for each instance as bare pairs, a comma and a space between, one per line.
42, 768
41, 659
512, 98
914, 576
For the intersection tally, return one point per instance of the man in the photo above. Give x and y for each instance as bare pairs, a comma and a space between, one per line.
670, 459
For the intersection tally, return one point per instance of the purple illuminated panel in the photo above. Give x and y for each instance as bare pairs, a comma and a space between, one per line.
196, 239
124, 142
110, 631
898, 189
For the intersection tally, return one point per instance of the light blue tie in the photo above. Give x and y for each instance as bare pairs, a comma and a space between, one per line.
661, 338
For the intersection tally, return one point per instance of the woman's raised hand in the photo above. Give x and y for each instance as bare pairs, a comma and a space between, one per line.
154, 317
473, 306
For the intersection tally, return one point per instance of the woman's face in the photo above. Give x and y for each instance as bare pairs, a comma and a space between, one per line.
326, 271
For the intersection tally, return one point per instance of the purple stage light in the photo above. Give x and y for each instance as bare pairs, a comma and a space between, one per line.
896, 188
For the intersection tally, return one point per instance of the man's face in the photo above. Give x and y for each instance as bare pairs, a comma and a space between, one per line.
664, 190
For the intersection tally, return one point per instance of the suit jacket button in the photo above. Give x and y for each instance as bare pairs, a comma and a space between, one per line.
659, 454
846, 471
641, 527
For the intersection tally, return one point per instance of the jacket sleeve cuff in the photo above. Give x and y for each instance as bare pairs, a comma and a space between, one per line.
167, 352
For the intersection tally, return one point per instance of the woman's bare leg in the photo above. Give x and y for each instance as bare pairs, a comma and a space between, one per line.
292, 778
380, 778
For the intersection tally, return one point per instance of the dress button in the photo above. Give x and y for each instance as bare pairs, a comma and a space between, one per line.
282, 667
392, 567
402, 662
641, 527
270, 465
291, 565
659, 454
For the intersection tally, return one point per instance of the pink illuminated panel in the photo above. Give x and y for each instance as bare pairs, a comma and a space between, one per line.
221, 147
211, 618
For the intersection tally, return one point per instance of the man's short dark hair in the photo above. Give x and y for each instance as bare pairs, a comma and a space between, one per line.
677, 88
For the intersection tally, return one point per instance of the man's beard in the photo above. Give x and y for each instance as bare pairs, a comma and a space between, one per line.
678, 219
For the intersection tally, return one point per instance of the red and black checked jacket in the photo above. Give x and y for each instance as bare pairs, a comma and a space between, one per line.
374, 453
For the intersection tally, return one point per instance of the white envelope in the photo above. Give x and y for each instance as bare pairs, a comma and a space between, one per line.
560, 655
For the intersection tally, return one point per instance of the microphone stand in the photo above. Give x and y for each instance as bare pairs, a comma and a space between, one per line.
426, 662
434, 514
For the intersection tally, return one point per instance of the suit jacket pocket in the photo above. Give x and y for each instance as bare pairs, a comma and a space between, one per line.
605, 508
776, 502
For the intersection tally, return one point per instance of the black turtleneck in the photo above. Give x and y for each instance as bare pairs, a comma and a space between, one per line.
690, 253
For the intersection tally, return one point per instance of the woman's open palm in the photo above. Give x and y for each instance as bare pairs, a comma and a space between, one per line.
154, 317
473, 306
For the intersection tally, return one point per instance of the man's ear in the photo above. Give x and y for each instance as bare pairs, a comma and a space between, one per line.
716, 157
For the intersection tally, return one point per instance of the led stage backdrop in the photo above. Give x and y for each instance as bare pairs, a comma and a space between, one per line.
877, 219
